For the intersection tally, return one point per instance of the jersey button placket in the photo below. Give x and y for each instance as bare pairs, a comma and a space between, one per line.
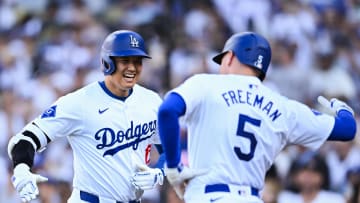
127, 126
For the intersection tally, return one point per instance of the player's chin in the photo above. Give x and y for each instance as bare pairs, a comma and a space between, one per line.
129, 82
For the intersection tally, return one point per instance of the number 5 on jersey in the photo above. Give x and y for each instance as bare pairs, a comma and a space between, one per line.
243, 119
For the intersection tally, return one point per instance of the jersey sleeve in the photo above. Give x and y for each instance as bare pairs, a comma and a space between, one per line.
61, 119
308, 128
192, 91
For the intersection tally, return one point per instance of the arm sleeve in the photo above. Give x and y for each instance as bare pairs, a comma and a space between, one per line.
23, 152
307, 127
344, 127
63, 118
161, 160
159, 148
169, 128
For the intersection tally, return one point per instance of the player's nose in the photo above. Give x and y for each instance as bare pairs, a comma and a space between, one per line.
131, 66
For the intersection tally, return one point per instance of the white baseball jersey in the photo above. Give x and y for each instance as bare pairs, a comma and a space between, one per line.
237, 126
105, 133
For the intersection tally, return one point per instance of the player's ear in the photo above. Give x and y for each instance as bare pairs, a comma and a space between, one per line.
228, 58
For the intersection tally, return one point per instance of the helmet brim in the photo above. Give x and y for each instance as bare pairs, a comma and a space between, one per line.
217, 59
128, 53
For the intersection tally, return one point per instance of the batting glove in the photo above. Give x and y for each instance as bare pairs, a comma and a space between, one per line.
334, 105
147, 178
178, 177
25, 182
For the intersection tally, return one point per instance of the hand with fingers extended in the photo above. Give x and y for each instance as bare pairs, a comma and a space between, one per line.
178, 177
334, 105
147, 178
25, 182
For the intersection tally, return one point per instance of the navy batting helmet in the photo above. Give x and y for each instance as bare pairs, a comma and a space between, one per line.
121, 43
251, 49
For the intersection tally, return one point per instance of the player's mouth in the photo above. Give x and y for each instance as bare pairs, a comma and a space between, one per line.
129, 77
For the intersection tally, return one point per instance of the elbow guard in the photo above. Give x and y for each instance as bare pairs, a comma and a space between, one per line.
16, 140
31, 134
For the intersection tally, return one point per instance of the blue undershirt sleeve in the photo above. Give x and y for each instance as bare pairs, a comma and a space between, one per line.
170, 110
344, 127
161, 160
159, 148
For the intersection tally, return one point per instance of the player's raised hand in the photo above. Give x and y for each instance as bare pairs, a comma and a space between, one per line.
334, 105
25, 182
146, 178
178, 177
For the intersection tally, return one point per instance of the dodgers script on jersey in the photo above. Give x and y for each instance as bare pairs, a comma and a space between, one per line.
246, 125
105, 132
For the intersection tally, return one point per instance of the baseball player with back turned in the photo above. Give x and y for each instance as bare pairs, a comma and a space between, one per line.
237, 126
109, 127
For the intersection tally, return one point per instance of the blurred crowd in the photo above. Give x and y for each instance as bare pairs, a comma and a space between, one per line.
51, 47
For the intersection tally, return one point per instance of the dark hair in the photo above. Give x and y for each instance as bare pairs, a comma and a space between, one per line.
313, 161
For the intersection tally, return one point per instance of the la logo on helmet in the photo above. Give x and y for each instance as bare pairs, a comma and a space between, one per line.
133, 41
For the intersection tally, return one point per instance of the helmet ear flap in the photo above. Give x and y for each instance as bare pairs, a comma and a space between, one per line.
108, 65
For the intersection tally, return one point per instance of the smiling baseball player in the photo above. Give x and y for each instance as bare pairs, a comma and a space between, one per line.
110, 125
237, 126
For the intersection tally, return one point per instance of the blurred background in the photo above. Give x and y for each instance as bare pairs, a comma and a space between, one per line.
49, 48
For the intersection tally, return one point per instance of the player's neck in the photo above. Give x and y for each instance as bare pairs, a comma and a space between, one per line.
241, 71
116, 90
233, 66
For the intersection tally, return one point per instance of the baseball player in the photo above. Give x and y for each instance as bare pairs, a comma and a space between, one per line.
110, 125
236, 126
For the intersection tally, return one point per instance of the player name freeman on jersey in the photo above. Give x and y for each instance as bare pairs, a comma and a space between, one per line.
127, 138
239, 96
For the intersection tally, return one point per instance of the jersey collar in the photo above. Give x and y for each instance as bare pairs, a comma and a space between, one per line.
108, 92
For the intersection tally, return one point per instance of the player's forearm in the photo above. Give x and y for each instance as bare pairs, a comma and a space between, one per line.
23, 152
170, 137
344, 127
169, 128
22, 146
